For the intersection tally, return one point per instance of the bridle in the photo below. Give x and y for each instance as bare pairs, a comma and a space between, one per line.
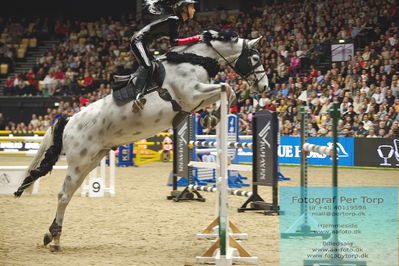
243, 65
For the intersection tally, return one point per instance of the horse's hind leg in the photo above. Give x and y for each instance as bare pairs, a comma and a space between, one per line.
73, 180
76, 173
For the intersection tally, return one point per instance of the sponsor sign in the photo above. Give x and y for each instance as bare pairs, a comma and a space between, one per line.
125, 155
16, 146
180, 140
265, 143
289, 151
380, 152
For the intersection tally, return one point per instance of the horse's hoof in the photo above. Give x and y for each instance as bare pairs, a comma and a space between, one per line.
47, 238
55, 248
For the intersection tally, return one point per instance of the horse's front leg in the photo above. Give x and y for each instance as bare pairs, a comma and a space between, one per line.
210, 93
215, 90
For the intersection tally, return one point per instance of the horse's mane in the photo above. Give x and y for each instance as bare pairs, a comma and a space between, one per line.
223, 35
209, 64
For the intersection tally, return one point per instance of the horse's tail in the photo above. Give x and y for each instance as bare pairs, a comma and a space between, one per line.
47, 155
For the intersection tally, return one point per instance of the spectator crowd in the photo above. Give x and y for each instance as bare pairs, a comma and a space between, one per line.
297, 38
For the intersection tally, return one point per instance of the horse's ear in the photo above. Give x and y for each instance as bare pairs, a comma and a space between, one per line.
253, 42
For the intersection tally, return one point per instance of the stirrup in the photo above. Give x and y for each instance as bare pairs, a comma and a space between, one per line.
138, 105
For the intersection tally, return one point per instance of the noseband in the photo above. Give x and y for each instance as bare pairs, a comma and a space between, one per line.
243, 65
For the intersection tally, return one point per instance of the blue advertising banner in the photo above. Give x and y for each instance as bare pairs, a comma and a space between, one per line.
289, 151
245, 155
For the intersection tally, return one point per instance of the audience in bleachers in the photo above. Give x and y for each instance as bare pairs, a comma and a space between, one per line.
296, 38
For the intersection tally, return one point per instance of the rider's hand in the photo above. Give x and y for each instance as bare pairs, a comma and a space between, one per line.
206, 36
174, 42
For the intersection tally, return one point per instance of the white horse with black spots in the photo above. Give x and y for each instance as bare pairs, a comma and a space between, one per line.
87, 136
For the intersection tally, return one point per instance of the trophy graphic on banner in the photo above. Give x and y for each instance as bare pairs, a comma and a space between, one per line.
396, 144
385, 152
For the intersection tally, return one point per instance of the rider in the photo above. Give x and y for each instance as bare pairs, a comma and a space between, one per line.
181, 11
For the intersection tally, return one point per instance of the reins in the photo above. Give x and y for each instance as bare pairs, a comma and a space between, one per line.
244, 76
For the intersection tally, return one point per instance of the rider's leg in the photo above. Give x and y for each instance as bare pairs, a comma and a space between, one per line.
141, 53
144, 59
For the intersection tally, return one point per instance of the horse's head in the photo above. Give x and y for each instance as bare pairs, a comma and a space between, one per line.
249, 66
242, 56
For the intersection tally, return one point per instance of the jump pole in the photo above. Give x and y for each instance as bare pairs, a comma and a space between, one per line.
303, 225
264, 168
225, 250
335, 258
210, 231
226, 253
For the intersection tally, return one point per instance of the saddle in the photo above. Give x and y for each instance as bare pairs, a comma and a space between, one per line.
124, 88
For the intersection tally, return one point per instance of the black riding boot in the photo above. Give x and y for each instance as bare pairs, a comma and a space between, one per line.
142, 76
144, 58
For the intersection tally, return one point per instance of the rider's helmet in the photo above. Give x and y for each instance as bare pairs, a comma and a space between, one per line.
158, 7
182, 3
178, 7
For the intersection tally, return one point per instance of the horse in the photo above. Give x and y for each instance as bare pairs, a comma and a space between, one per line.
87, 136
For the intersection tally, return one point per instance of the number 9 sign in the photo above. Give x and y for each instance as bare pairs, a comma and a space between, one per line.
96, 187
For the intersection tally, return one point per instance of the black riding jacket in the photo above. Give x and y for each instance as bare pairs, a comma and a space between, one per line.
166, 26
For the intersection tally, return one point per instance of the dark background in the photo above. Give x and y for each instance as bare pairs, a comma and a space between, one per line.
66, 9
94, 9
